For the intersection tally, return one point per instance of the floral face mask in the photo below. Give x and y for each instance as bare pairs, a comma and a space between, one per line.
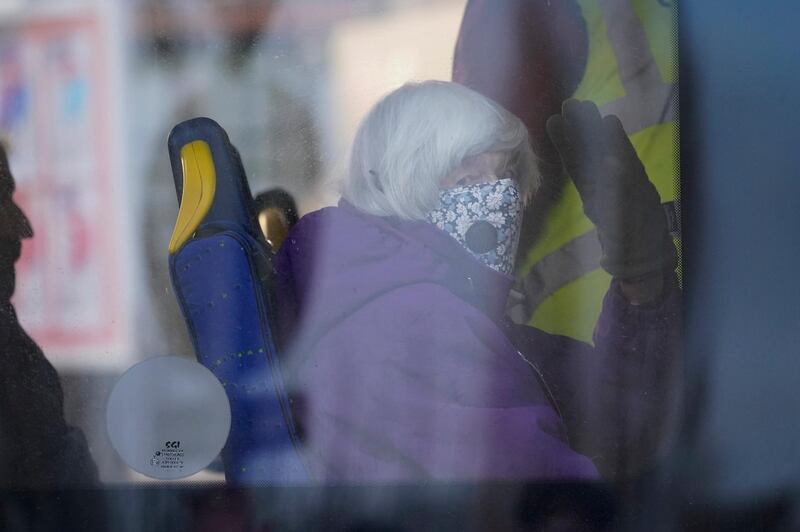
485, 218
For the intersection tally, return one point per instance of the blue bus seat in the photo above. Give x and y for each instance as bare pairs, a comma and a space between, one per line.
221, 270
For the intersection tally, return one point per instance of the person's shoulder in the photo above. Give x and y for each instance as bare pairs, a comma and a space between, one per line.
421, 299
315, 218
327, 225
431, 315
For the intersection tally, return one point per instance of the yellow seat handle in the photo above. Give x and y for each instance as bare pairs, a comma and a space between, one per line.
199, 187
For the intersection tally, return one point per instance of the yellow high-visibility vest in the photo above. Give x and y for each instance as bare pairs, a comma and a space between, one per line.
631, 72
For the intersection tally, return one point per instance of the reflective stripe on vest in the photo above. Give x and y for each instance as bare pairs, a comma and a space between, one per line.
630, 73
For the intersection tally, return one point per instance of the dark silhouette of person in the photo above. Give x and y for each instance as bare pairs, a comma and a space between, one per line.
37, 447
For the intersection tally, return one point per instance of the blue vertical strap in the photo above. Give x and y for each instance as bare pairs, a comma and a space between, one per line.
221, 278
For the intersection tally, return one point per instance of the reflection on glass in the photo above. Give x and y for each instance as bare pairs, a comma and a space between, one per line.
564, 340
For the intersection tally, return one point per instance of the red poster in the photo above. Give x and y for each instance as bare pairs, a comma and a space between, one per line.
54, 115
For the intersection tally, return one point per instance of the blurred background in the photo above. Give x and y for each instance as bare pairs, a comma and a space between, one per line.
89, 91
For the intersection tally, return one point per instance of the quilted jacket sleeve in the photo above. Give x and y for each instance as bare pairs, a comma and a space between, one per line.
619, 397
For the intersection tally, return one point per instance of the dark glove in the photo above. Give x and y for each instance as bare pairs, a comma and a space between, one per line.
617, 195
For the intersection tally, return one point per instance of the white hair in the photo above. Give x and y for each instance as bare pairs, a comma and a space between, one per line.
419, 133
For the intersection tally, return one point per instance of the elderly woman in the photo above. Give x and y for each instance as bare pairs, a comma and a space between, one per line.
393, 310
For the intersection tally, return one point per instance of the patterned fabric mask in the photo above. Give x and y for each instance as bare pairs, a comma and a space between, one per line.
485, 218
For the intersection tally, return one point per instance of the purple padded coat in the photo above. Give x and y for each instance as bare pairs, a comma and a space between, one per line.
396, 341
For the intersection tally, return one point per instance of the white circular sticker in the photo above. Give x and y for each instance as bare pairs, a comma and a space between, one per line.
168, 417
